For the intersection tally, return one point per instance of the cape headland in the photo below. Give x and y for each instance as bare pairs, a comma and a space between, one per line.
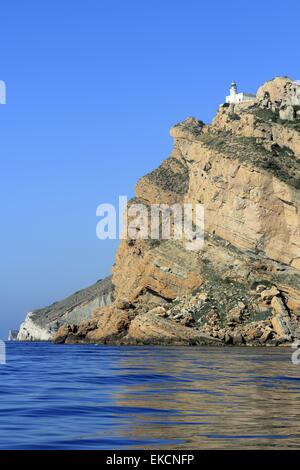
243, 286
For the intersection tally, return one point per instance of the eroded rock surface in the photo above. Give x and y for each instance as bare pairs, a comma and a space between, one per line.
42, 324
243, 286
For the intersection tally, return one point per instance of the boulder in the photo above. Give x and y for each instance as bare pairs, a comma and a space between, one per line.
86, 326
237, 339
260, 288
279, 307
61, 335
287, 112
228, 338
268, 294
111, 322
187, 320
235, 315
203, 296
267, 334
159, 311
149, 328
281, 320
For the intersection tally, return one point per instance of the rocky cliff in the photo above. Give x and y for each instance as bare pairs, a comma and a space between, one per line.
42, 324
243, 285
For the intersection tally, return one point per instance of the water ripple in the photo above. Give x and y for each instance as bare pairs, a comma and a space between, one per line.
109, 397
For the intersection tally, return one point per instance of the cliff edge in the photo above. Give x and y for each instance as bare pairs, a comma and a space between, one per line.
42, 324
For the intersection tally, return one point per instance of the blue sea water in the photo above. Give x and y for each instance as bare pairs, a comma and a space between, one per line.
106, 397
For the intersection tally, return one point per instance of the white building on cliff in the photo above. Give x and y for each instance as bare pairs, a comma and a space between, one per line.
236, 97
296, 93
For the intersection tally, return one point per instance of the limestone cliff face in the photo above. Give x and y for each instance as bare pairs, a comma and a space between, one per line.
30, 331
245, 170
42, 324
251, 195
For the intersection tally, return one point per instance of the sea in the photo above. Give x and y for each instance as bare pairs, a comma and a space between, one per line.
135, 397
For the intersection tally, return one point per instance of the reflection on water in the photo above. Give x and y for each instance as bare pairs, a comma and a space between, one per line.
102, 397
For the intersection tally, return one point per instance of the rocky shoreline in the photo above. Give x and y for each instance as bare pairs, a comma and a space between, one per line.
184, 322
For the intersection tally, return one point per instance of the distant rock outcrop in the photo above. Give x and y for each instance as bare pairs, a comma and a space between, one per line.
12, 335
42, 324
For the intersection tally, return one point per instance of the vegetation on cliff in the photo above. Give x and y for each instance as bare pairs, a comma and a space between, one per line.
243, 286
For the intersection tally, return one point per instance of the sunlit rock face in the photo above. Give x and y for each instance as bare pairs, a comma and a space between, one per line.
244, 168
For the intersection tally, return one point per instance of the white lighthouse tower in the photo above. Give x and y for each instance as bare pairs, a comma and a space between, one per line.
235, 97
233, 92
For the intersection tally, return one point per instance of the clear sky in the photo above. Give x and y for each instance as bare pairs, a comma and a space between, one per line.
93, 87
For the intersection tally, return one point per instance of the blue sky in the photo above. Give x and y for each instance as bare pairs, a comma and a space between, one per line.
92, 89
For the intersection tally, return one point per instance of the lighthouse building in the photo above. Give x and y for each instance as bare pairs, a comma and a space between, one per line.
236, 97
